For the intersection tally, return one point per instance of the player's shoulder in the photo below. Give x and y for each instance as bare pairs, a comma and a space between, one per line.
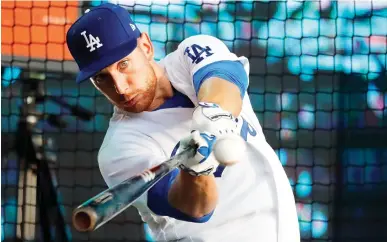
195, 45
126, 150
202, 39
124, 135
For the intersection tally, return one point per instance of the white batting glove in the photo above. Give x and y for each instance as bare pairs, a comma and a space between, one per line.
209, 121
211, 118
203, 163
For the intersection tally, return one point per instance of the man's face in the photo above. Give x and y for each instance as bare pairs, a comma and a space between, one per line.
130, 83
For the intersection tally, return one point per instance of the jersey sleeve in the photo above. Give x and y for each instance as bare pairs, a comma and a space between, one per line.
201, 50
205, 56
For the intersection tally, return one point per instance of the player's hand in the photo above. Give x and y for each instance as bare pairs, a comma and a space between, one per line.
203, 163
209, 122
211, 118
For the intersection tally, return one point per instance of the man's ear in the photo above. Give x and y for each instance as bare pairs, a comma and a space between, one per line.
146, 45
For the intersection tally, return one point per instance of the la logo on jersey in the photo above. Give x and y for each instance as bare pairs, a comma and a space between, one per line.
92, 42
198, 51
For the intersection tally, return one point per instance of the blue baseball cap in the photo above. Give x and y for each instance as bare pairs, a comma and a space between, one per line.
102, 36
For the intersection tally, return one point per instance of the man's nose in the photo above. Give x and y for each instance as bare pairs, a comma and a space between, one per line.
121, 84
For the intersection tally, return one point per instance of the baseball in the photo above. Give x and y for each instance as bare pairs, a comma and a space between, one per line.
229, 149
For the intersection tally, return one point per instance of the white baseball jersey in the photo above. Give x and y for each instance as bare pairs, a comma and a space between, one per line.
256, 202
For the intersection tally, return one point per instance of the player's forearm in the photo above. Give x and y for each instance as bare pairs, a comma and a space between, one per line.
198, 196
222, 92
195, 196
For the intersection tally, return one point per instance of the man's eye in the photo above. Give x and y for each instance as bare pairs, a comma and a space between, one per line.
123, 64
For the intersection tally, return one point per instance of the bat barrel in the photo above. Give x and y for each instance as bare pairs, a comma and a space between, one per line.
84, 219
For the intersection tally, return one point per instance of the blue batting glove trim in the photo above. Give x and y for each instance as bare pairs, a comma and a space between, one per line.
209, 138
208, 105
205, 151
232, 71
158, 201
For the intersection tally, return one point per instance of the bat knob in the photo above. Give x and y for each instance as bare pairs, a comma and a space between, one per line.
84, 219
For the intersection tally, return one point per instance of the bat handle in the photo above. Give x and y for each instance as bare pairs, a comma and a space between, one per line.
84, 219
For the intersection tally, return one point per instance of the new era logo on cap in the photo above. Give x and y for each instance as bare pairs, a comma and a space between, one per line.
101, 37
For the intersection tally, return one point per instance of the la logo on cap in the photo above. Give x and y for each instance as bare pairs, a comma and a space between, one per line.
92, 42
132, 26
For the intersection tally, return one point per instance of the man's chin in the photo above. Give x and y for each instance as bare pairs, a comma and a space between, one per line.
138, 108
133, 110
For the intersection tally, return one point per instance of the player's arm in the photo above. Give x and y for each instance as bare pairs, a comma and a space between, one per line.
222, 92
198, 195
223, 83
190, 193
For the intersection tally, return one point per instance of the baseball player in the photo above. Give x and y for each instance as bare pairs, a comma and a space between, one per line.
195, 94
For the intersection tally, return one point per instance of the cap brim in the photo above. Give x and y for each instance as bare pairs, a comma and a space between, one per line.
105, 61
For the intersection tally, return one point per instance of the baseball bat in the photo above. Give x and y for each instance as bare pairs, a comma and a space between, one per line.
103, 207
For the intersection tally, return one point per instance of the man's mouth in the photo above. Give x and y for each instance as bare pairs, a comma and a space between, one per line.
132, 101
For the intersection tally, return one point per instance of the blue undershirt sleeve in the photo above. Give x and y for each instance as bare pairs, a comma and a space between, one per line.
232, 71
158, 201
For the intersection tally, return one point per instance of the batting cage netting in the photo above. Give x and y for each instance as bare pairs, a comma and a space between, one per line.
317, 84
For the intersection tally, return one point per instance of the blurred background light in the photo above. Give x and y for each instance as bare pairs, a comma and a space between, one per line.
319, 224
10, 75
304, 184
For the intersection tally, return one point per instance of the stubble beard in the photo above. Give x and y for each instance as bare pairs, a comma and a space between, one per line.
148, 95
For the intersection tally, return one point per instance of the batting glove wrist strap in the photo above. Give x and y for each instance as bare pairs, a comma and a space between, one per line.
211, 118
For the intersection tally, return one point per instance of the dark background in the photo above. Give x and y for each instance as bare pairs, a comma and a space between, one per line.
317, 84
